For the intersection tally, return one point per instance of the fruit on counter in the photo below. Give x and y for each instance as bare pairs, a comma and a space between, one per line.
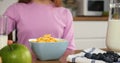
109, 56
0, 60
15, 53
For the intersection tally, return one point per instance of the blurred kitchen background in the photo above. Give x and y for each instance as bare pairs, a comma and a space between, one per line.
90, 21
87, 7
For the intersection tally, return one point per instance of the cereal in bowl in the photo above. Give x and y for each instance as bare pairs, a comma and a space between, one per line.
46, 38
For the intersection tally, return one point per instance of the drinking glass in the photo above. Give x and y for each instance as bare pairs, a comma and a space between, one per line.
3, 31
113, 32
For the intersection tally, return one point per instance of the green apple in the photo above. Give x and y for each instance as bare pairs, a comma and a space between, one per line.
15, 53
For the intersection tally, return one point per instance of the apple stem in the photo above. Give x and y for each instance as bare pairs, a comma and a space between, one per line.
10, 47
10, 42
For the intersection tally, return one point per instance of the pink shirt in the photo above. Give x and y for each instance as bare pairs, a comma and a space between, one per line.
34, 20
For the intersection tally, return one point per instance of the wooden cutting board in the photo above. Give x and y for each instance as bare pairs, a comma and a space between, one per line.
0, 60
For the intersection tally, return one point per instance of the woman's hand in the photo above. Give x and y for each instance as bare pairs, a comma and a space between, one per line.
10, 42
67, 52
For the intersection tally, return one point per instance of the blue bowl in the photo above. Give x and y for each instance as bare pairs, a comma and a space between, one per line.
49, 51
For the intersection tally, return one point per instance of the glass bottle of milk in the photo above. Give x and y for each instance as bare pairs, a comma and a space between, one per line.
113, 32
3, 31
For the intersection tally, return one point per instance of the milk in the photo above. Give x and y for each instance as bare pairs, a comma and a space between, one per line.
3, 41
113, 35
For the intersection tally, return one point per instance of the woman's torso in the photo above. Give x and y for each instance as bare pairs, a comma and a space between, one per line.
36, 20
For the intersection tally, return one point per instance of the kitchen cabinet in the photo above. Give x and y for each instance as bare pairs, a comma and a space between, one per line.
90, 34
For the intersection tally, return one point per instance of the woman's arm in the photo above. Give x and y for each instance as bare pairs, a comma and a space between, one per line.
12, 17
68, 35
68, 30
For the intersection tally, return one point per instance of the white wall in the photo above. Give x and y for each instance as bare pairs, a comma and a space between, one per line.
4, 4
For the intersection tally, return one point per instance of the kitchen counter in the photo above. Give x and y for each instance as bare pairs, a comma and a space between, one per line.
91, 18
54, 61
0, 60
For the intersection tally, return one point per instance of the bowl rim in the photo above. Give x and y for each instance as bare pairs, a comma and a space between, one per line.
35, 41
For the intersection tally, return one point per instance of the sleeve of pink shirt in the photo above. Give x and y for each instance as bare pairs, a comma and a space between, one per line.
69, 32
12, 17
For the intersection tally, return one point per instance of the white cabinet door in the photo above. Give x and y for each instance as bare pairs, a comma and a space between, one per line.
88, 43
89, 29
90, 34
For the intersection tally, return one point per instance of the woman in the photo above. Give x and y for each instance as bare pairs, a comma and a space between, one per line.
34, 18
